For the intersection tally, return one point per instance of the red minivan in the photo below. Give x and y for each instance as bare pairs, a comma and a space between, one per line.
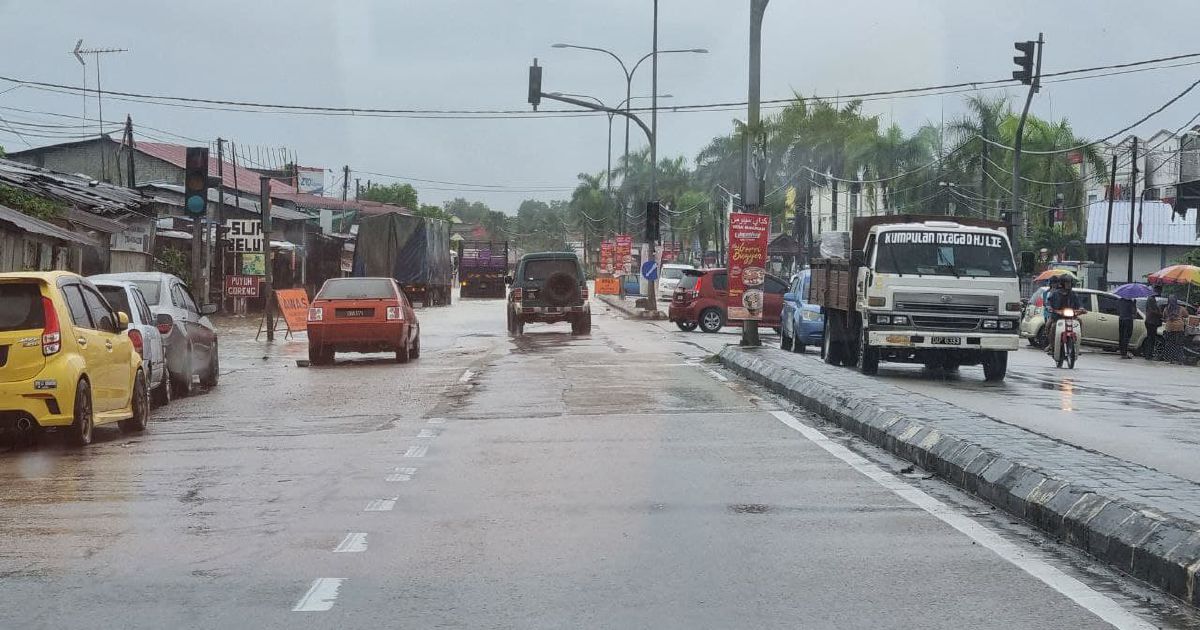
362, 315
699, 300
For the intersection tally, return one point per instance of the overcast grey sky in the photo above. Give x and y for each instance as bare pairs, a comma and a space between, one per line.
473, 54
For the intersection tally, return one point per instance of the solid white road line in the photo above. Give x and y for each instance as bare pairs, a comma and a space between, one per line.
354, 542
1098, 604
320, 595
437, 421
466, 376
416, 451
382, 505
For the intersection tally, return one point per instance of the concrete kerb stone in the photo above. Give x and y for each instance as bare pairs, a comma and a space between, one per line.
1138, 539
624, 308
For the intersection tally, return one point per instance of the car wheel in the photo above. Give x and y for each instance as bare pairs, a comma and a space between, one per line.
686, 326
711, 320
785, 342
162, 394
797, 345
415, 353
213, 373
316, 354
80, 431
182, 381
403, 354
141, 406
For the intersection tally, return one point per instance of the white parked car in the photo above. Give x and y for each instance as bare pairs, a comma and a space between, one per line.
669, 279
127, 298
190, 340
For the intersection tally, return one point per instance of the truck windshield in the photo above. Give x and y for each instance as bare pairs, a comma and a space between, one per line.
944, 254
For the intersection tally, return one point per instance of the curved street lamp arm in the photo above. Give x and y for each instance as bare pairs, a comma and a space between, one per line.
610, 53
611, 111
663, 52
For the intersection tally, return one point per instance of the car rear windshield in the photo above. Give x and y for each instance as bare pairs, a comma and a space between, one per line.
542, 269
149, 290
357, 289
688, 282
20, 307
117, 298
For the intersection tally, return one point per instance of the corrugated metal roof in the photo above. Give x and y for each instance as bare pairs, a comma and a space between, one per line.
246, 179
277, 212
1160, 225
27, 223
317, 202
94, 221
76, 191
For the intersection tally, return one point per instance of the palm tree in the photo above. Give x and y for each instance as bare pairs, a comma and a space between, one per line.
968, 133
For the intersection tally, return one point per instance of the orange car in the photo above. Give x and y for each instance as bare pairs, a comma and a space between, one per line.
362, 315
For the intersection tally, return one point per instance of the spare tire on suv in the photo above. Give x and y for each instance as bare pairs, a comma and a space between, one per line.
549, 287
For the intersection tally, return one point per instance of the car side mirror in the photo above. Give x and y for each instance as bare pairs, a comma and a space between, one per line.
208, 309
122, 320
857, 257
508, 279
163, 319
789, 297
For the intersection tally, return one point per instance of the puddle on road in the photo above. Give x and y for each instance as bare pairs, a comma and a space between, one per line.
748, 508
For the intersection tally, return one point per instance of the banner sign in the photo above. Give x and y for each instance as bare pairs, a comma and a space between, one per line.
608, 286
748, 234
244, 235
943, 238
293, 305
606, 258
242, 286
624, 253
254, 265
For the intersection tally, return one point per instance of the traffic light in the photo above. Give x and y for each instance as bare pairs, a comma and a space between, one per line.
195, 181
652, 221
1025, 61
535, 84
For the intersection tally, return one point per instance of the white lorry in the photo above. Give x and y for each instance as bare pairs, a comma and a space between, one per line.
942, 291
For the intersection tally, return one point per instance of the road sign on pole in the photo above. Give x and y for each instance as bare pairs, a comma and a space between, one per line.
650, 270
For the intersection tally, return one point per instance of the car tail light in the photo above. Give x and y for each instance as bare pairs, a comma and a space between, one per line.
51, 333
316, 314
583, 292
517, 294
394, 313
135, 336
164, 329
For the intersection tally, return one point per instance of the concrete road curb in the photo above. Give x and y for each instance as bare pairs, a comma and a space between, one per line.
1080, 497
627, 309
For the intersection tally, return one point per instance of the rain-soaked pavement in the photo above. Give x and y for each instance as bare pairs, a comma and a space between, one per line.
612, 481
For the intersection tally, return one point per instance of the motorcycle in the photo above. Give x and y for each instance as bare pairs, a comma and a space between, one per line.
1067, 332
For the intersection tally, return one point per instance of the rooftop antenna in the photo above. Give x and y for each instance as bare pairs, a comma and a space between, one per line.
79, 51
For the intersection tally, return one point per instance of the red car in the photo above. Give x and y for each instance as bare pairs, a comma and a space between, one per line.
362, 315
699, 300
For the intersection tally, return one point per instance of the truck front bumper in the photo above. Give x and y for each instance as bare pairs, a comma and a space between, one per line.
948, 340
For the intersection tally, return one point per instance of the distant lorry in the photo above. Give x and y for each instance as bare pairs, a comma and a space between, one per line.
482, 266
413, 250
942, 291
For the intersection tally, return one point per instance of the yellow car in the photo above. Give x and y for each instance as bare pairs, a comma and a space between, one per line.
67, 362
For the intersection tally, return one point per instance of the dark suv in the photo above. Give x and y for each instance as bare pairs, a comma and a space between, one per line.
549, 287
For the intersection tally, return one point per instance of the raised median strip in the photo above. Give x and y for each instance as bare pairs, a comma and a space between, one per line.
627, 308
1140, 520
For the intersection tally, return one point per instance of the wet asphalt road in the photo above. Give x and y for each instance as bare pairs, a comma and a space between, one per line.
612, 481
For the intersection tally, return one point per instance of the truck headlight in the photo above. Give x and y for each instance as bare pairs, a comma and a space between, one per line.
990, 323
883, 319
900, 320
1007, 324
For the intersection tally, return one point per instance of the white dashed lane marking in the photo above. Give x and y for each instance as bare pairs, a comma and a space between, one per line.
402, 474
320, 595
382, 505
466, 376
354, 542
416, 451
427, 433
437, 421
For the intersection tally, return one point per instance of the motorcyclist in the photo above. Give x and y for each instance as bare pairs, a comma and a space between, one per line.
1061, 296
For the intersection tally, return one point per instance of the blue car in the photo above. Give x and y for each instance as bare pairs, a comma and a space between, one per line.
632, 284
801, 321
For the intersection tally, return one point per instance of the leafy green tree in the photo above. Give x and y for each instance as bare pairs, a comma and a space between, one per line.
403, 195
432, 212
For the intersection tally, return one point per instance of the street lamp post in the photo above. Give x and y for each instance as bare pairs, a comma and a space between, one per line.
629, 73
753, 192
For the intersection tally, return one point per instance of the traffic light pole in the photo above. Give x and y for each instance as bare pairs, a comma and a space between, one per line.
752, 191
264, 203
1035, 82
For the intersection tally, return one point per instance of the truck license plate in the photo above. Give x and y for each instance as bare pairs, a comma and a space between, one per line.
947, 341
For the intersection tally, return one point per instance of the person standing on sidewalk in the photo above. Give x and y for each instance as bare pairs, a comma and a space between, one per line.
1175, 322
1154, 321
1125, 318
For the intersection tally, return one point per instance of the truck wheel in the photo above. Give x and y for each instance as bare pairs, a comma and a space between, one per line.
831, 350
868, 357
711, 320
995, 365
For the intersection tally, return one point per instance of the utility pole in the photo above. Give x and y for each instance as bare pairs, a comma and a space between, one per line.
357, 188
752, 192
220, 245
264, 203
130, 179
1112, 185
651, 287
1133, 173
345, 181
79, 51
1031, 75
